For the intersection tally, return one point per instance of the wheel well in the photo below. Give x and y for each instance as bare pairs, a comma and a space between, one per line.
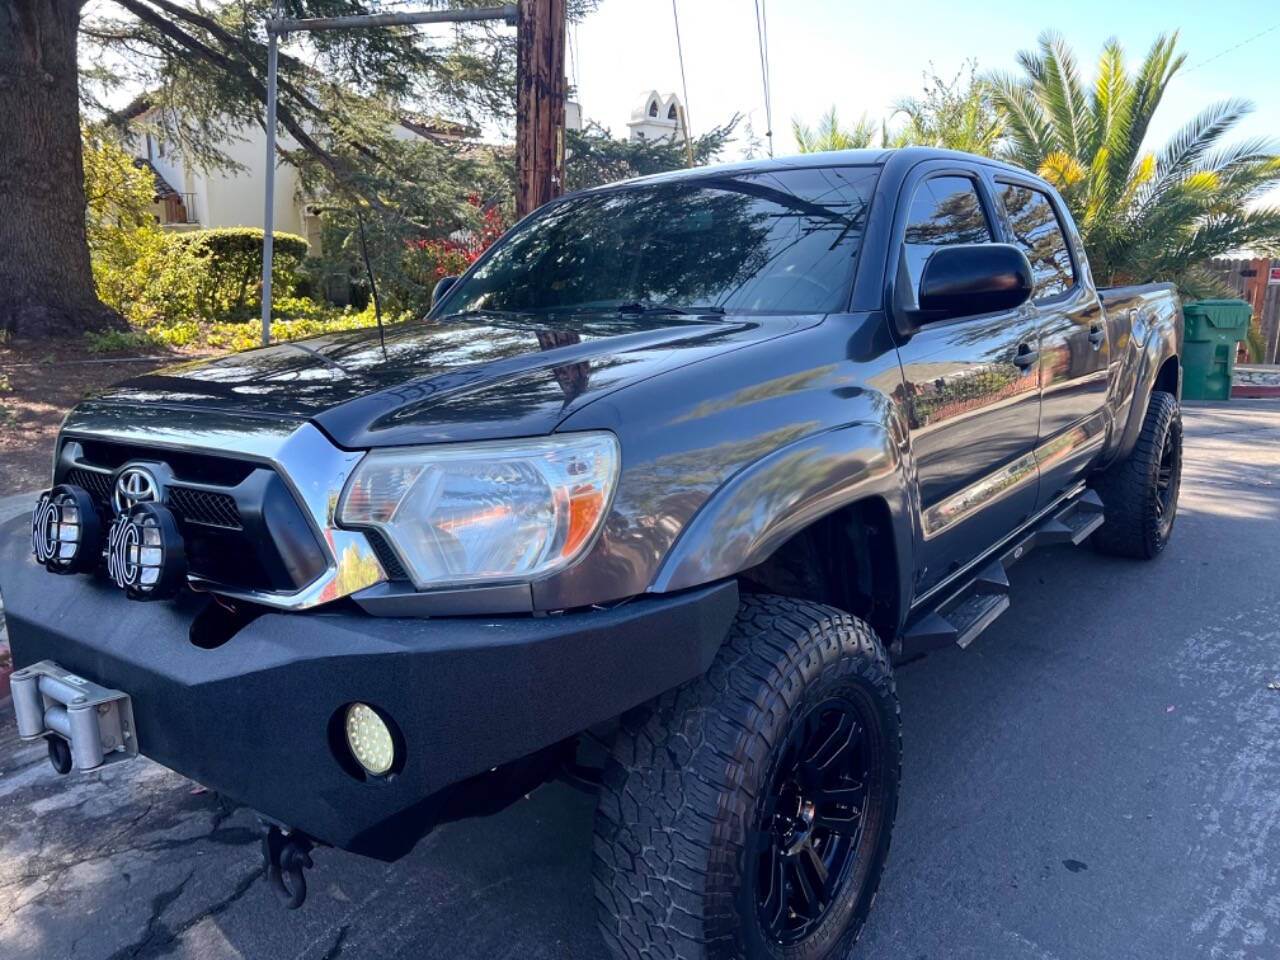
1167, 378
845, 559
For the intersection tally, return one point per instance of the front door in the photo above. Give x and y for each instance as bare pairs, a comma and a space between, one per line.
972, 385
1074, 352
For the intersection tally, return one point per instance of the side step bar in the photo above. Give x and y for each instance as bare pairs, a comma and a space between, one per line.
972, 608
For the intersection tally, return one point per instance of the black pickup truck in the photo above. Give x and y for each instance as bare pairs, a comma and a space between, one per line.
674, 473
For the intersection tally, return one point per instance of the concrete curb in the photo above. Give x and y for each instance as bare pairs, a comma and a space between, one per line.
1255, 391
10, 507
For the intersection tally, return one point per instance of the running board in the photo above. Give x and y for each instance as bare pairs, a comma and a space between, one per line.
973, 607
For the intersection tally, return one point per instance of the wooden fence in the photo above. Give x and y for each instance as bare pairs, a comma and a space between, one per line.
1248, 280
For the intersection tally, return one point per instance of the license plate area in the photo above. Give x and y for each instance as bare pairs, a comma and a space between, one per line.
96, 722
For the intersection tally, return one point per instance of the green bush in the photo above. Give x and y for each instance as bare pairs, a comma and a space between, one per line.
227, 264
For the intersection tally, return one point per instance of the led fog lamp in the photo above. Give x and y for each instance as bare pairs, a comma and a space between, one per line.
66, 534
145, 554
370, 739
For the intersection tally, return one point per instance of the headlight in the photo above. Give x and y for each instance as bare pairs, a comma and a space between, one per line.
485, 512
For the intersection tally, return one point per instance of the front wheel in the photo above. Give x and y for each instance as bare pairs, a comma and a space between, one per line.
1140, 493
748, 813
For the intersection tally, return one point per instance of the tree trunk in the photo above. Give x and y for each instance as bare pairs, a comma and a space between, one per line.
46, 284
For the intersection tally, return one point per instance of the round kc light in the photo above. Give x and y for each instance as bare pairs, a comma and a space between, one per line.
66, 534
145, 554
369, 739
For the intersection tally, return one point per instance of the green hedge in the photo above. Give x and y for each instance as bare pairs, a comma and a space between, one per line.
227, 264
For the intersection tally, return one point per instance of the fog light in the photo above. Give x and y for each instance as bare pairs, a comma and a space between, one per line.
370, 739
145, 554
66, 534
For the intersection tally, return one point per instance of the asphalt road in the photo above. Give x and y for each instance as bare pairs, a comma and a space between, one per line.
1098, 776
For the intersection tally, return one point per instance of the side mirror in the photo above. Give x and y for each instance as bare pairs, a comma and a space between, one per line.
969, 279
442, 287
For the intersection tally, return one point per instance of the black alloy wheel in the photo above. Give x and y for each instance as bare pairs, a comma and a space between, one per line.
747, 814
1140, 492
811, 820
1168, 479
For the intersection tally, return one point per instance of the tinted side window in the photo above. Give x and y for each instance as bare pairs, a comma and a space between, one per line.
944, 211
1037, 231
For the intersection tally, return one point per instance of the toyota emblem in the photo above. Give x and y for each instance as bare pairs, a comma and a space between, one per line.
135, 485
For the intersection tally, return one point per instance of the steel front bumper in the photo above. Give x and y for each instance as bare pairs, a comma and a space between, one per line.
251, 718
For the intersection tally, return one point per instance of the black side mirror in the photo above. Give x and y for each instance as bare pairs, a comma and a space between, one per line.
969, 279
442, 287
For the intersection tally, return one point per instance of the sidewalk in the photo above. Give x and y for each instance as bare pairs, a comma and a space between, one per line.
10, 507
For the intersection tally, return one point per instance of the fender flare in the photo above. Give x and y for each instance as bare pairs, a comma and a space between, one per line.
1162, 341
767, 502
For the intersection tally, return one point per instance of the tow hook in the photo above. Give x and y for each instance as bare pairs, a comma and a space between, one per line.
285, 856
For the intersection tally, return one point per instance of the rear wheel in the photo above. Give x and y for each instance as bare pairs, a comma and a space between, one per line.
1140, 493
748, 813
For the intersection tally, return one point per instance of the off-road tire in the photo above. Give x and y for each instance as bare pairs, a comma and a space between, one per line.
1137, 525
681, 787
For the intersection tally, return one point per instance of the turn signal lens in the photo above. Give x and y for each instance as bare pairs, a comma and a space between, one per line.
370, 739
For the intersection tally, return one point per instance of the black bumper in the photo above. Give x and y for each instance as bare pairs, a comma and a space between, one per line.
251, 717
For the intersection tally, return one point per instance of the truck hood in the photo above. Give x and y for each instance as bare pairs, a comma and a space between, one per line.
441, 381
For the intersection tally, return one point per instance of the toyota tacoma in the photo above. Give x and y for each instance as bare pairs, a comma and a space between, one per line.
674, 474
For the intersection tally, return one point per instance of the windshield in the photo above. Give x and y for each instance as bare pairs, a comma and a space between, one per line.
745, 243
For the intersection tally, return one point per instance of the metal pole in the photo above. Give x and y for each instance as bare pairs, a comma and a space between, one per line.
268, 224
276, 28
506, 12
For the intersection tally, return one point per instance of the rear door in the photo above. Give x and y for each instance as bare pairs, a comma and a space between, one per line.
972, 385
1074, 352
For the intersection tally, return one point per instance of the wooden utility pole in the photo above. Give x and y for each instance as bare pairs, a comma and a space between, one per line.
540, 95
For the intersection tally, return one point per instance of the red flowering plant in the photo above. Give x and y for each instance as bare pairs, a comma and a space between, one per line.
427, 259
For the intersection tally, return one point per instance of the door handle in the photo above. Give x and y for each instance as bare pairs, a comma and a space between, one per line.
1025, 357
1096, 334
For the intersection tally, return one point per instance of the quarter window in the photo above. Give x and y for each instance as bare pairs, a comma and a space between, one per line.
1037, 231
944, 211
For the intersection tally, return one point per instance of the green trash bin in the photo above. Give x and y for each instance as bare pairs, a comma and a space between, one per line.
1213, 328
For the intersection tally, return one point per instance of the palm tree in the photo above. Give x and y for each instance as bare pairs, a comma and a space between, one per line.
829, 136
1144, 215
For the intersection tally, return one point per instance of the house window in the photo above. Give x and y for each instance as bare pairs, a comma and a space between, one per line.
653, 108
671, 114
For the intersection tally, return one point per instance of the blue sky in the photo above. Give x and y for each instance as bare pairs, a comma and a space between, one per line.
863, 56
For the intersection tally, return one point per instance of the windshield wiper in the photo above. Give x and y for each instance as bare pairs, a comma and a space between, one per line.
659, 309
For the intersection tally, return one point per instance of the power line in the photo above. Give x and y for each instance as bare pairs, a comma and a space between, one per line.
1233, 49
571, 39
762, 39
684, 85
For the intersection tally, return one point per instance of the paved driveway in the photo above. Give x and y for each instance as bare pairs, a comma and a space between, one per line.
1098, 776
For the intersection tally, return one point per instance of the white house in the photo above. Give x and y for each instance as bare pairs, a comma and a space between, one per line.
190, 198
657, 116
